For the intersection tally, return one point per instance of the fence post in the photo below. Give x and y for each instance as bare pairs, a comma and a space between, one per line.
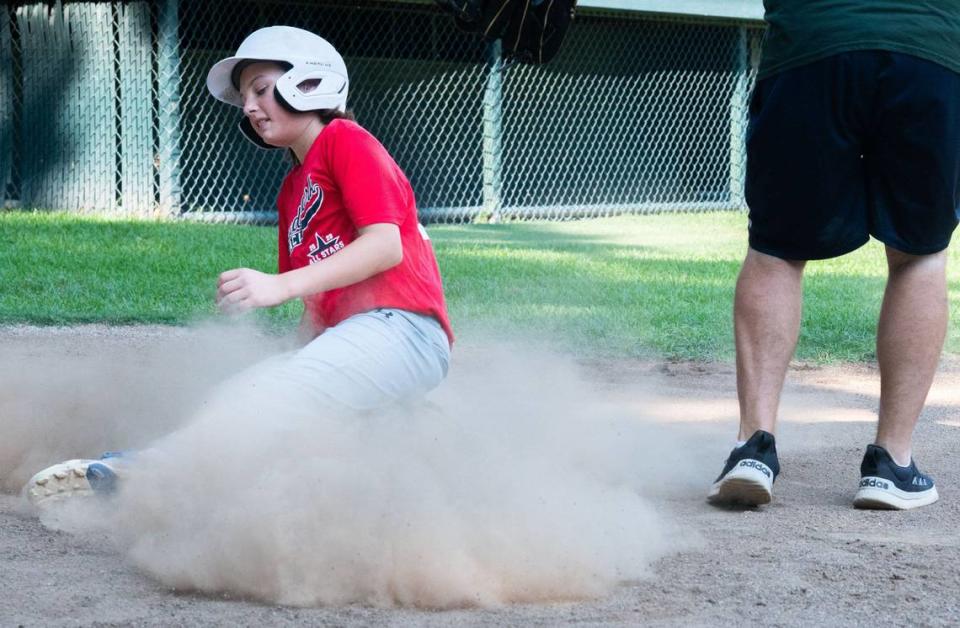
168, 105
493, 134
739, 102
6, 105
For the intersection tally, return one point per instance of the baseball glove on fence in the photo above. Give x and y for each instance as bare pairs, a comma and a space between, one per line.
531, 30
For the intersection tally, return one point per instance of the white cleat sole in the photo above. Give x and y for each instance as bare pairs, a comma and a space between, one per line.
750, 483
61, 481
885, 496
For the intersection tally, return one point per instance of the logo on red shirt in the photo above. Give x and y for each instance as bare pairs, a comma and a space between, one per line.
324, 247
310, 204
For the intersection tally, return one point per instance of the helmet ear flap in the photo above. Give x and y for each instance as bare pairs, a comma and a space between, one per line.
248, 132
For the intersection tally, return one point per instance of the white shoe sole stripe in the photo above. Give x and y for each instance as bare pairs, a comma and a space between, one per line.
892, 498
746, 485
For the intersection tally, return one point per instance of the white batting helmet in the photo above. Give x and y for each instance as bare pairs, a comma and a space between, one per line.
306, 56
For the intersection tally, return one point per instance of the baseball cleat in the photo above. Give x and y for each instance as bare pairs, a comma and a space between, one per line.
885, 485
73, 478
748, 475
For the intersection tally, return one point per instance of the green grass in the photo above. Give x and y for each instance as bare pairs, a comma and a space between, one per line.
59, 269
631, 286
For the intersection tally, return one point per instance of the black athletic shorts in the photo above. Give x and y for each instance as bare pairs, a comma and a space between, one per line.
858, 144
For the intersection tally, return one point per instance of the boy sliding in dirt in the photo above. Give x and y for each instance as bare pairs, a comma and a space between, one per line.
350, 246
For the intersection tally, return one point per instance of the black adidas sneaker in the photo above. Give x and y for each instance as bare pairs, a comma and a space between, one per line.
885, 485
747, 477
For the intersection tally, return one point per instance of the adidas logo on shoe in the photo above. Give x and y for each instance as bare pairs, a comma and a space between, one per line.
756, 464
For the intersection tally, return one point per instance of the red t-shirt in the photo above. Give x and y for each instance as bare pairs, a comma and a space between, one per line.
348, 181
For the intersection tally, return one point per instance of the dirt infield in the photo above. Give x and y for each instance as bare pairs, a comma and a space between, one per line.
808, 558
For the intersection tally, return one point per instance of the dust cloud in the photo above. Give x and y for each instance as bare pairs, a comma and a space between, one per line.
76, 392
514, 481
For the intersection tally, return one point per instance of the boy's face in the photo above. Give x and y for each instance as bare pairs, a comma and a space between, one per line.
273, 123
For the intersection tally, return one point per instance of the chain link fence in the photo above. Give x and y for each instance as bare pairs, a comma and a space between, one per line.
103, 108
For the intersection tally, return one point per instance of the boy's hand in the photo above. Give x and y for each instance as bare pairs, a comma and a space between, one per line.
243, 289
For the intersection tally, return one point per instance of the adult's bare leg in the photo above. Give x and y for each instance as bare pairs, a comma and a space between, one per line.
767, 308
910, 335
